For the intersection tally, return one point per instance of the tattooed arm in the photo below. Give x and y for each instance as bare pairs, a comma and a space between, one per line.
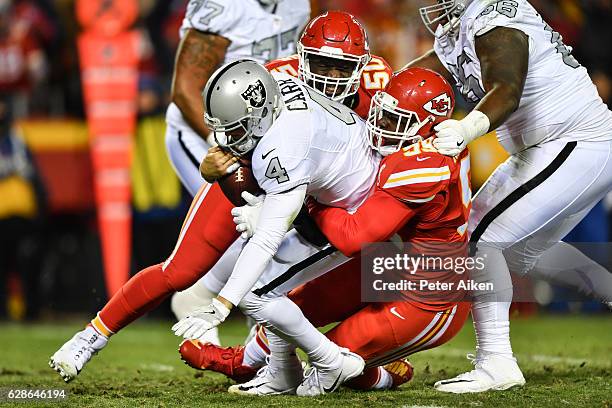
504, 59
431, 61
198, 55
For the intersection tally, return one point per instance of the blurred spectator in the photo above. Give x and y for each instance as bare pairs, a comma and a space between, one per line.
163, 23
22, 61
21, 207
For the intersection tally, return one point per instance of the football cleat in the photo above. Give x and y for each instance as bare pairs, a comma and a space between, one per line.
70, 359
491, 372
224, 360
323, 381
271, 381
401, 371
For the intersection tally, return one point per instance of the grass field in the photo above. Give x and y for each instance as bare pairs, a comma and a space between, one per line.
567, 361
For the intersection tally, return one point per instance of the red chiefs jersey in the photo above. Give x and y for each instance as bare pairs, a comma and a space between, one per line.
375, 77
419, 174
439, 188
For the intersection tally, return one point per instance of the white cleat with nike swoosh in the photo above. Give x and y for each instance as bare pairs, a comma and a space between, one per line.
319, 382
271, 381
490, 373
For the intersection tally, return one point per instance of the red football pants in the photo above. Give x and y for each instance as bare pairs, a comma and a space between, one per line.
379, 332
207, 232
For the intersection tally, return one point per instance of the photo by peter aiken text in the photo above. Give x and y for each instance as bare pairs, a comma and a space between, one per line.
411, 264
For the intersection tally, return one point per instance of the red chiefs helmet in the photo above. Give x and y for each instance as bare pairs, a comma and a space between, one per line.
338, 36
414, 101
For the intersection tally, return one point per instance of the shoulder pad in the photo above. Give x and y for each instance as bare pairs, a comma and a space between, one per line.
415, 178
288, 65
376, 75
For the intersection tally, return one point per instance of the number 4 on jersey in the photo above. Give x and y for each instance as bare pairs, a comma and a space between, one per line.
276, 171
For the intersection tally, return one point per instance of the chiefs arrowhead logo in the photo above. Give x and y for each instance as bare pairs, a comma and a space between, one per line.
255, 94
439, 106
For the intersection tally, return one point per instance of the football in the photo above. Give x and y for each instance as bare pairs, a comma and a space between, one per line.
234, 184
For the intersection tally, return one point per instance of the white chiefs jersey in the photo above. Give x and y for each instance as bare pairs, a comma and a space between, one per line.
559, 99
317, 142
258, 32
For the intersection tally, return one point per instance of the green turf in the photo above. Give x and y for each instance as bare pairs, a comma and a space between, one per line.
566, 360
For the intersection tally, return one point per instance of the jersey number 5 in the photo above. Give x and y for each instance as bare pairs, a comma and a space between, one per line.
276, 171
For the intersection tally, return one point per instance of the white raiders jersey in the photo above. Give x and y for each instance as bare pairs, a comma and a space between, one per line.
559, 99
317, 142
262, 33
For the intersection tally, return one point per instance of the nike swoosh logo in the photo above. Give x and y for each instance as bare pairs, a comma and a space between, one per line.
248, 387
394, 311
454, 381
460, 143
263, 156
420, 159
333, 387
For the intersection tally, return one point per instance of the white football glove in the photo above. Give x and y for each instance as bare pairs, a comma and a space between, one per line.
452, 136
201, 320
246, 217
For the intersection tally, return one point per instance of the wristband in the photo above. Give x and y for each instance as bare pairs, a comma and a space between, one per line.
476, 124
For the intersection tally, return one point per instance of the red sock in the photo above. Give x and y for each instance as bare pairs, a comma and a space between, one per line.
141, 294
365, 381
206, 234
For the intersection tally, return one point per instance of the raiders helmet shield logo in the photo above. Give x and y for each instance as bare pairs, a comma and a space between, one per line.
439, 105
255, 94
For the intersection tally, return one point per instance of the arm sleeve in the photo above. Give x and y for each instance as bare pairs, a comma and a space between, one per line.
378, 218
277, 214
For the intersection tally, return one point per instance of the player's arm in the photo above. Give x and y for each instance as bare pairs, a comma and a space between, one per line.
198, 55
277, 214
504, 59
430, 60
376, 220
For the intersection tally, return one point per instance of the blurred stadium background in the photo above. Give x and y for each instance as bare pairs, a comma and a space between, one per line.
51, 262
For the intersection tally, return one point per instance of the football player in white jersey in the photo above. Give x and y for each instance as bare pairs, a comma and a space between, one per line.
525, 84
333, 54
300, 143
214, 33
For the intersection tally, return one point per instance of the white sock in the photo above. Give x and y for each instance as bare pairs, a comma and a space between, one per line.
566, 266
491, 309
282, 354
284, 318
385, 381
255, 352
326, 355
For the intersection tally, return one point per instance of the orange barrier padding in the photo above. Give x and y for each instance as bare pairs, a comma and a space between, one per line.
109, 72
